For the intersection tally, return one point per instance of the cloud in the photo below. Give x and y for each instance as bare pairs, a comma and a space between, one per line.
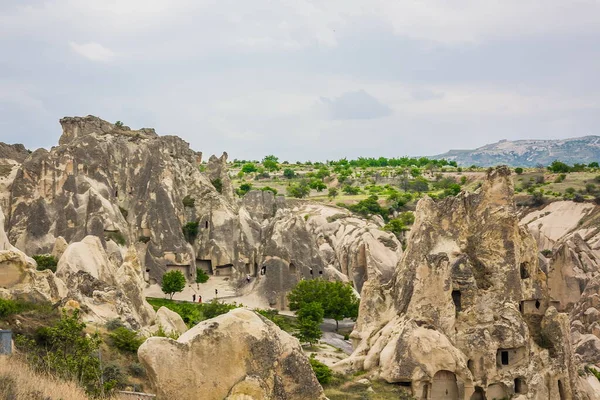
426, 94
356, 105
93, 51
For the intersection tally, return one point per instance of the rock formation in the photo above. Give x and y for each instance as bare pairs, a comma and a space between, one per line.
569, 237
19, 278
468, 314
239, 355
135, 188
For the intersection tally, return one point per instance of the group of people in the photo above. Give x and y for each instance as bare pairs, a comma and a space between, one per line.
200, 297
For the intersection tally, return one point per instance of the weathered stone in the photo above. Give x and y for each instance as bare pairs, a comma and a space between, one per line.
170, 322
464, 311
238, 355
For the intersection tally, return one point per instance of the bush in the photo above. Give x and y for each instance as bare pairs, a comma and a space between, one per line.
299, 190
124, 212
114, 324
546, 253
289, 173
269, 189
519, 170
243, 189
560, 178
67, 353
249, 168
190, 231
351, 190
189, 201
46, 261
137, 370
126, 340
218, 184
322, 371
116, 237
369, 206
8, 307
144, 239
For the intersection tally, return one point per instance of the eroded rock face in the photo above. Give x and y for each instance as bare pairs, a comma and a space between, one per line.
19, 278
568, 234
135, 188
238, 355
170, 322
468, 310
105, 289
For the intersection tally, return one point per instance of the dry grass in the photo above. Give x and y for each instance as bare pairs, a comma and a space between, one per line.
19, 382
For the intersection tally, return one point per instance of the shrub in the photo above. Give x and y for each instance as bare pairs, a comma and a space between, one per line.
215, 308
578, 198
249, 168
46, 261
116, 237
190, 231
289, 173
560, 178
558, 166
137, 370
322, 371
299, 190
546, 253
8, 307
67, 353
114, 324
144, 239
269, 189
519, 170
243, 189
126, 340
119, 124
351, 190
218, 184
189, 201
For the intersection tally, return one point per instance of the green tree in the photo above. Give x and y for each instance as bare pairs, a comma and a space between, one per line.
201, 277
271, 163
289, 173
119, 124
310, 317
299, 190
337, 299
351, 190
558, 166
173, 282
317, 184
332, 193
519, 170
249, 168
593, 164
419, 185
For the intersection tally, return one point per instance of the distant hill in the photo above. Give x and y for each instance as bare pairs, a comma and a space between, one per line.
529, 153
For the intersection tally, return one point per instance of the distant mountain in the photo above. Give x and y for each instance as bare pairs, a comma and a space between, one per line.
529, 153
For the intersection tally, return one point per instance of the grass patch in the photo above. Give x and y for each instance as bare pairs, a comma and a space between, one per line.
193, 313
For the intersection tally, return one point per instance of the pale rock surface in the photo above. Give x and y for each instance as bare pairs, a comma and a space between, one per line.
19, 278
170, 321
104, 290
467, 298
238, 355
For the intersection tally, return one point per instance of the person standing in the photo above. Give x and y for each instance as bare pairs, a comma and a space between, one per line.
216, 293
194, 298
199, 299
247, 278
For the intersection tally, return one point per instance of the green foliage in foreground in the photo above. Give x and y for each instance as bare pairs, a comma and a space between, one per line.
193, 313
287, 324
322, 371
46, 261
65, 351
126, 340
11, 307
310, 318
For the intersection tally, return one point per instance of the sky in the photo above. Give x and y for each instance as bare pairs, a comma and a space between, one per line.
304, 79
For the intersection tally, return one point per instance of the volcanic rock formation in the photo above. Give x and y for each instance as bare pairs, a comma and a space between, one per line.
238, 356
468, 314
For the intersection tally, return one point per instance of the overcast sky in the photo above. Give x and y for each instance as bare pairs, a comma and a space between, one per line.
304, 80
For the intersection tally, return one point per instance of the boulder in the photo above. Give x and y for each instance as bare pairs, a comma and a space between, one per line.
238, 355
170, 322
